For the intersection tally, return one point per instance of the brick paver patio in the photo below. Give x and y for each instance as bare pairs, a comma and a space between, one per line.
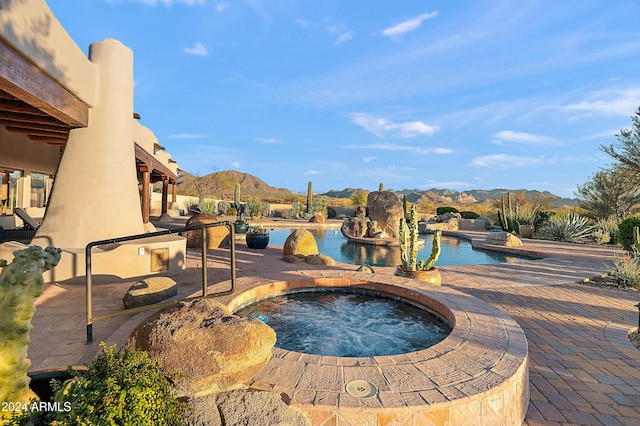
583, 370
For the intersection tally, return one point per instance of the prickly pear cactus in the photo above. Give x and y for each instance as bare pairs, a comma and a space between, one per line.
21, 283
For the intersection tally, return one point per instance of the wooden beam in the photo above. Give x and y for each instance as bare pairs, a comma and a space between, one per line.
23, 80
31, 118
35, 126
146, 158
37, 132
55, 139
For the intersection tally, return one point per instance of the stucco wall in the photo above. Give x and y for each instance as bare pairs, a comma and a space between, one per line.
19, 153
30, 27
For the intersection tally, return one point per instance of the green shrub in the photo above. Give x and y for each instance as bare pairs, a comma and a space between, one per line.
626, 272
208, 206
625, 232
570, 227
254, 207
120, 387
318, 207
469, 215
331, 212
223, 207
296, 210
446, 209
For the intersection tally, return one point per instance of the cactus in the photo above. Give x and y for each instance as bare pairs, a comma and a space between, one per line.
507, 215
381, 187
409, 255
404, 203
309, 197
636, 241
21, 283
236, 200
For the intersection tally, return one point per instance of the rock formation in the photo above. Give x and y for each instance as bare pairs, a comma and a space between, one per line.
217, 236
503, 238
149, 291
386, 209
204, 346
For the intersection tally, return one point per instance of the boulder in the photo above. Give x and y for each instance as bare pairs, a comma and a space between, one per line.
302, 242
319, 259
244, 407
374, 231
217, 236
204, 347
444, 217
318, 218
355, 227
361, 211
385, 208
503, 238
293, 258
149, 291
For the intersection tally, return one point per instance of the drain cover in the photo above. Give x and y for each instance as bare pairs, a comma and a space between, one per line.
361, 389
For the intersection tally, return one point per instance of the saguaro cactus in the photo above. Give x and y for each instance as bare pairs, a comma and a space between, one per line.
409, 251
21, 283
381, 187
309, 196
236, 196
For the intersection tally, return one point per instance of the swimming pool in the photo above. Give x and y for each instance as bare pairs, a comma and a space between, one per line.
455, 251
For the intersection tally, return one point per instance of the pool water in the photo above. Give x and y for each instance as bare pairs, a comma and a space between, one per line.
347, 323
455, 251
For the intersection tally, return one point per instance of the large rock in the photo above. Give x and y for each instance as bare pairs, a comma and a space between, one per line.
149, 291
319, 259
385, 208
217, 236
302, 242
355, 227
245, 407
204, 347
503, 238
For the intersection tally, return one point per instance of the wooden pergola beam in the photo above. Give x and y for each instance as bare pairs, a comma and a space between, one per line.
23, 80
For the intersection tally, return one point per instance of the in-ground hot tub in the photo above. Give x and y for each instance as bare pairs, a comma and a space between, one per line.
476, 375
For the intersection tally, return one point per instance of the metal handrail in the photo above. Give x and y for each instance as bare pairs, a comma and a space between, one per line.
203, 227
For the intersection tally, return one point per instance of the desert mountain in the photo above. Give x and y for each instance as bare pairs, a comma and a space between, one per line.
222, 185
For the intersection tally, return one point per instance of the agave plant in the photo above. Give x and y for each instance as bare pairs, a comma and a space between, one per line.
571, 227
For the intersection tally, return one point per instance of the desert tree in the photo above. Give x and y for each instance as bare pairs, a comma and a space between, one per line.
359, 198
613, 192
626, 152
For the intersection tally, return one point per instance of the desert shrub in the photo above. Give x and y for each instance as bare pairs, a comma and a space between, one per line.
297, 208
625, 271
120, 387
625, 232
446, 209
318, 207
254, 207
570, 227
223, 207
541, 218
331, 213
208, 206
606, 231
469, 215
488, 222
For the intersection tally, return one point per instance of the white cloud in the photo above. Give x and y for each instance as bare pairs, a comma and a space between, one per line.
609, 102
368, 159
397, 31
504, 161
268, 140
312, 172
235, 164
386, 146
345, 37
222, 6
302, 23
382, 127
509, 136
198, 49
186, 136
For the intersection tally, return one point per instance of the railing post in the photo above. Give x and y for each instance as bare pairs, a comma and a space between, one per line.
89, 282
204, 262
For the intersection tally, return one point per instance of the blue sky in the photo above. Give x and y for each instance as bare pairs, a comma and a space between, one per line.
415, 94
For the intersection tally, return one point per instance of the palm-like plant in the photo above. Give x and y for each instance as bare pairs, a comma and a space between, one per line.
571, 227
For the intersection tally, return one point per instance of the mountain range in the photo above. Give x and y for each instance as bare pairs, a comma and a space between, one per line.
251, 186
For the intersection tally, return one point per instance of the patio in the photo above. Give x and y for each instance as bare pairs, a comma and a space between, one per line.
583, 370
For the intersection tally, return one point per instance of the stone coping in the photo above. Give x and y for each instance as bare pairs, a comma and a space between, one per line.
479, 370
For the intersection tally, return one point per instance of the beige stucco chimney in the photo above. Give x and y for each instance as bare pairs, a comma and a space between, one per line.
95, 194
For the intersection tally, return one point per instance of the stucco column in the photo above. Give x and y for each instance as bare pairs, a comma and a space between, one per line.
95, 195
23, 196
5, 192
174, 193
144, 198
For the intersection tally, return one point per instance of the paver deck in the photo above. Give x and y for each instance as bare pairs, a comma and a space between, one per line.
583, 370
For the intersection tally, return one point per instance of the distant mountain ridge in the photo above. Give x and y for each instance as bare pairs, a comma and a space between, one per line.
251, 186
440, 196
